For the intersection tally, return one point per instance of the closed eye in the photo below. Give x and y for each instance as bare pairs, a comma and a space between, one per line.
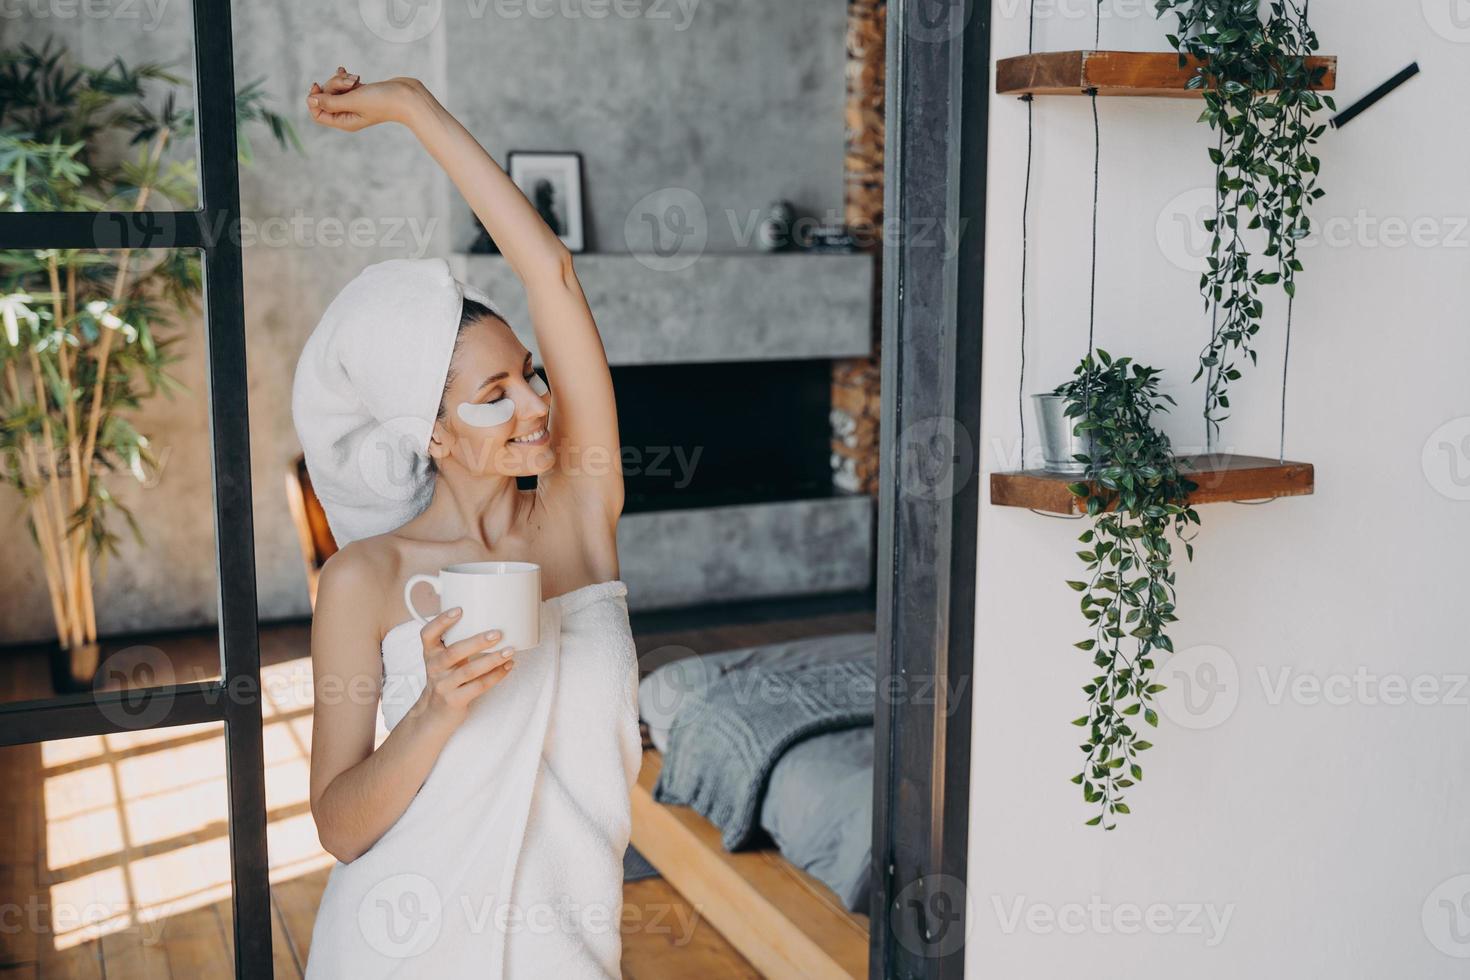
533, 379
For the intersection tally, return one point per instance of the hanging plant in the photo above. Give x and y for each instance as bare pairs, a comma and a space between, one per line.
1258, 98
1136, 499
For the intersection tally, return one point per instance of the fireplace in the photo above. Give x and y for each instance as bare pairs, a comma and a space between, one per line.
723, 375
713, 435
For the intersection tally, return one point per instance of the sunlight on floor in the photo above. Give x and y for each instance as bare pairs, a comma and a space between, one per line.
136, 824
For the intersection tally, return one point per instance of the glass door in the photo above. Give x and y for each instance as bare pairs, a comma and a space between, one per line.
114, 728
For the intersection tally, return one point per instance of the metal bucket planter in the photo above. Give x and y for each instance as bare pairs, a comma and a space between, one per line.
1059, 444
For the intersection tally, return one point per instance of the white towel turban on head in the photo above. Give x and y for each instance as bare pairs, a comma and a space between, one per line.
367, 391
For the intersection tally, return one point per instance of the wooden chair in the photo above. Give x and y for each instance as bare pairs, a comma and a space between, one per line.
315, 535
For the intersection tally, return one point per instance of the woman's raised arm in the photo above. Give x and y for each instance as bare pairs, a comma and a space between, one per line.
586, 427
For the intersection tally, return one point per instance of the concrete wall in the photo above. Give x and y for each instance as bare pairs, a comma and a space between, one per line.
1328, 825
732, 102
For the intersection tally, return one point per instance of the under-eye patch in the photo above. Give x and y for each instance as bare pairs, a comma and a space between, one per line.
537, 385
488, 415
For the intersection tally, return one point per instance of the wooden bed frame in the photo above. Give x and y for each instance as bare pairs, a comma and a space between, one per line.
781, 919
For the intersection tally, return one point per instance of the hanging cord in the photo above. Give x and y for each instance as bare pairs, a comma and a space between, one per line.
1214, 309
1056, 517
1096, 185
1025, 251
1030, 101
1096, 169
1286, 351
1305, 29
1092, 296
1285, 364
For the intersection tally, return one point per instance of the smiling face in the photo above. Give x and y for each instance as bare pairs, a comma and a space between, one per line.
496, 412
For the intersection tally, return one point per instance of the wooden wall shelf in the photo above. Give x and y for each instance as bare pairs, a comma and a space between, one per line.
1133, 73
1220, 477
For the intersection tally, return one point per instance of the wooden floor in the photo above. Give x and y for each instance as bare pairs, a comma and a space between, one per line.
114, 849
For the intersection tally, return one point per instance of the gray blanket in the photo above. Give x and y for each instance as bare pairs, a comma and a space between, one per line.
727, 736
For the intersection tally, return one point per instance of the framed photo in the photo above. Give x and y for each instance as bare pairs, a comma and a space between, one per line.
553, 183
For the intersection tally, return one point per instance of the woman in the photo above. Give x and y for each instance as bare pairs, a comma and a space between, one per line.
483, 837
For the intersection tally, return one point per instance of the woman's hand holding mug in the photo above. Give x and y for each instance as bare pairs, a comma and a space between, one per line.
460, 672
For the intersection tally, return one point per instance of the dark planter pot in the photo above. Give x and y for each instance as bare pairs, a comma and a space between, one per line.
74, 669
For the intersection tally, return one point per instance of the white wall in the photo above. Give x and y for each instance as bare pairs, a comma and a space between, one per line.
1328, 832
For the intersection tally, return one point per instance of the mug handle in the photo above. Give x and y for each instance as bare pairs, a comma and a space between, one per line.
433, 583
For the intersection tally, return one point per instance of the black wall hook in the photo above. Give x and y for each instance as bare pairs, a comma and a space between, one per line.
1347, 115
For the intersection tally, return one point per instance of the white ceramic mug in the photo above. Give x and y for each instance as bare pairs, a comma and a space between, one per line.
495, 595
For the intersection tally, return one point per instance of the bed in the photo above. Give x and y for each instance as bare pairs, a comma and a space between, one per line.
817, 803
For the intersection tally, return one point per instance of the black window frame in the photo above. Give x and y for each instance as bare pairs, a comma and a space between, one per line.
937, 110
234, 699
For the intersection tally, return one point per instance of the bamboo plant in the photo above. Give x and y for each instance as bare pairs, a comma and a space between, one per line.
86, 336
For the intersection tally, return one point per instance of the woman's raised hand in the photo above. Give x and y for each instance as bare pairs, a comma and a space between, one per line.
346, 103
460, 672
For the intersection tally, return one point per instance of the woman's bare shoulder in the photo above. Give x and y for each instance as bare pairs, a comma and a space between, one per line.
365, 560
360, 577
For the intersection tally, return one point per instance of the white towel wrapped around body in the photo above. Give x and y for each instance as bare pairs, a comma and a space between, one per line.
508, 862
